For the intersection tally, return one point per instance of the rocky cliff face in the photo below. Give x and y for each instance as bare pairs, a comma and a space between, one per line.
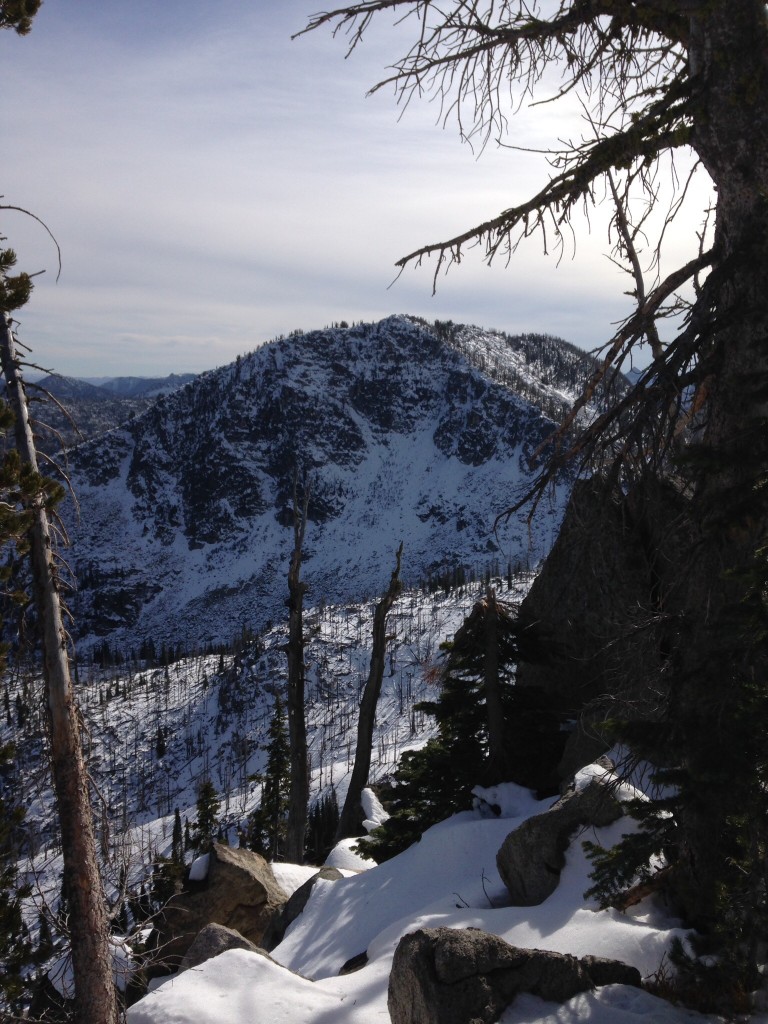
605, 607
404, 432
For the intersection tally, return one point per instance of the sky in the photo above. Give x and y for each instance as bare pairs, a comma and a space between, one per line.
213, 183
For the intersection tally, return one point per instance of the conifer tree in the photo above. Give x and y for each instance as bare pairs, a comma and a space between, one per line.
18, 14
437, 780
33, 501
207, 822
267, 826
177, 839
322, 827
44, 938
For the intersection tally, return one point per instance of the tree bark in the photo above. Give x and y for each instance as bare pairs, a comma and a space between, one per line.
716, 668
298, 798
351, 817
95, 994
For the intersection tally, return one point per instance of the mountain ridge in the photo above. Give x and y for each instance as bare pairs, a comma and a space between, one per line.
406, 432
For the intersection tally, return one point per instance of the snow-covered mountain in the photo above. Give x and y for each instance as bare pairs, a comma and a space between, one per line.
422, 414
403, 431
102, 389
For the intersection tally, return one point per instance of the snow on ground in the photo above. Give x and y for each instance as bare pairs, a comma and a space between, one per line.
198, 869
291, 877
213, 716
373, 810
613, 1004
449, 878
345, 858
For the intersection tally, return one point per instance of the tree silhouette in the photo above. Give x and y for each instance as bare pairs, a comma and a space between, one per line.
207, 816
657, 81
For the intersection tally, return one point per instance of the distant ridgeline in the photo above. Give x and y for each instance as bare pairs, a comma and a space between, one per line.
81, 409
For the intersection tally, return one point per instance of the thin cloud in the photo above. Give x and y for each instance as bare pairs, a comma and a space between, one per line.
213, 184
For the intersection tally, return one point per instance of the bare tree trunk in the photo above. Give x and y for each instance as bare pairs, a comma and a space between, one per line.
298, 798
351, 818
497, 757
95, 995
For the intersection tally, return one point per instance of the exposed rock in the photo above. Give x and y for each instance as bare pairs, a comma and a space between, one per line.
215, 939
355, 963
464, 976
609, 585
240, 892
298, 901
531, 858
603, 971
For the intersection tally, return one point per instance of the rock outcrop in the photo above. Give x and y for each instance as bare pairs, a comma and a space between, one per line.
457, 976
212, 940
240, 892
602, 607
531, 858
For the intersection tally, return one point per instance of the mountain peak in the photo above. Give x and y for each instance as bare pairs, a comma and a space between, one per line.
408, 431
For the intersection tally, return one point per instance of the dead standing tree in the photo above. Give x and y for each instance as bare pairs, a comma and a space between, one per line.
351, 818
298, 798
95, 993
658, 80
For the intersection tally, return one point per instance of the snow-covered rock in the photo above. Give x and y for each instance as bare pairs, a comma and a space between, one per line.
447, 880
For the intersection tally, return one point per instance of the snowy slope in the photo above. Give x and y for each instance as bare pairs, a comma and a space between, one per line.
213, 715
405, 432
449, 879
214, 724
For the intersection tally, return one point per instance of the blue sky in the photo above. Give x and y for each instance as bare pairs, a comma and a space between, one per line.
213, 183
